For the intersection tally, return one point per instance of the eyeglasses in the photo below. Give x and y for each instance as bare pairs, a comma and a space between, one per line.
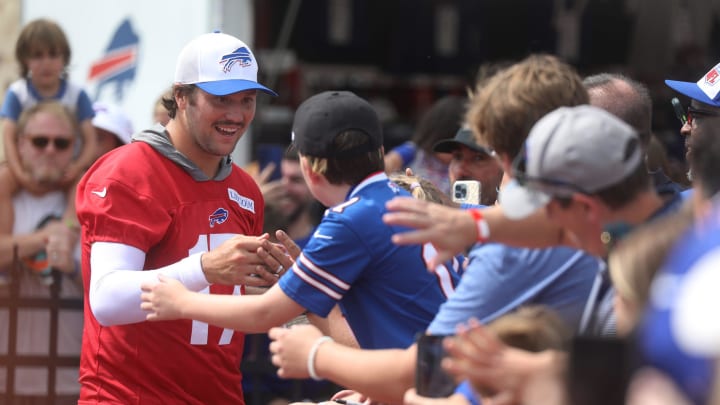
42, 142
693, 113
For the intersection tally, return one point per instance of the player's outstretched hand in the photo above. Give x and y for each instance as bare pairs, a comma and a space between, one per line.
236, 261
449, 230
163, 300
290, 349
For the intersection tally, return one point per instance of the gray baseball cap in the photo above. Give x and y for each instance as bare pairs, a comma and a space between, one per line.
581, 149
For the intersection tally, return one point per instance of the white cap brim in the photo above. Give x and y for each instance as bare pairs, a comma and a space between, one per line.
519, 202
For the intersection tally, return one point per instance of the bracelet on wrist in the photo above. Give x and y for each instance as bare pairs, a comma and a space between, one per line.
483, 229
313, 354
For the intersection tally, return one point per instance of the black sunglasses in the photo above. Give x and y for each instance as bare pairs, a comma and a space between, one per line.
693, 113
41, 142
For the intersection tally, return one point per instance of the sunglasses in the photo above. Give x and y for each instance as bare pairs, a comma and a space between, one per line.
693, 113
42, 142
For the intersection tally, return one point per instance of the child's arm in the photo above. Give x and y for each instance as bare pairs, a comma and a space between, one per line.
87, 154
168, 299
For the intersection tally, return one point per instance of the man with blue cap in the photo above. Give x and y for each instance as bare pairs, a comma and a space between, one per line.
704, 108
173, 203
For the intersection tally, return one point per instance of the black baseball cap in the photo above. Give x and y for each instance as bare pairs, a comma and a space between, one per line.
464, 136
322, 117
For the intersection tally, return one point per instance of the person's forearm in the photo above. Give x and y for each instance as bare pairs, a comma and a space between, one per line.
535, 231
383, 375
249, 314
116, 277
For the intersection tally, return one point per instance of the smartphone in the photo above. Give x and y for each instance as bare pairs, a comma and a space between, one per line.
430, 379
466, 191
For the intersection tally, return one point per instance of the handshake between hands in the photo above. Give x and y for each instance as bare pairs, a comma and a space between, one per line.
253, 261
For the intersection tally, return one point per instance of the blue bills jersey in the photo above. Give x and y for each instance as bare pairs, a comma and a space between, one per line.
384, 290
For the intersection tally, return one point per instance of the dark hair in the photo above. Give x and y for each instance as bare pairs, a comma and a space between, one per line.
626, 98
441, 121
40, 33
178, 90
350, 170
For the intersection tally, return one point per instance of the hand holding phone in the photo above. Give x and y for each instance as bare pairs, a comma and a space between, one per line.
430, 379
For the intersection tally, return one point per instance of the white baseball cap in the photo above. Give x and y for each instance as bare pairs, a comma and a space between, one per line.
219, 64
112, 119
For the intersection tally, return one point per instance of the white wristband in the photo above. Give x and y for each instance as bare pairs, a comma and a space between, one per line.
313, 353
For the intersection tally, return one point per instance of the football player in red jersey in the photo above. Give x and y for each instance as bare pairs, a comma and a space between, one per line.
173, 203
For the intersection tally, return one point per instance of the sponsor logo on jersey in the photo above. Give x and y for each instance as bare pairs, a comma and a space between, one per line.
239, 56
244, 202
218, 217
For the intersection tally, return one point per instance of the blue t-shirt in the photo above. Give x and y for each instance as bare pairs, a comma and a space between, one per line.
383, 289
500, 278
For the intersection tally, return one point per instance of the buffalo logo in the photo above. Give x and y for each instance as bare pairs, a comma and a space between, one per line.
118, 65
712, 76
218, 217
240, 55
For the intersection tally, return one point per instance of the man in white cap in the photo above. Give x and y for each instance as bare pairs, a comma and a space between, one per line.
112, 126
173, 203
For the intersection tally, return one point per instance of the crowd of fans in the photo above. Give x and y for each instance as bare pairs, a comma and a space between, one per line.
583, 273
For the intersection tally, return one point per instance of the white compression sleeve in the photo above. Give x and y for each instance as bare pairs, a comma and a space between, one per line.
116, 276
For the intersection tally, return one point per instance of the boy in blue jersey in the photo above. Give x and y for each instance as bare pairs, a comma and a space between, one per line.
383, 289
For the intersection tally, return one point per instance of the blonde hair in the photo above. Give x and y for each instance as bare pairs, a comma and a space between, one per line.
51, 107
533, 328
420, 188
507, 105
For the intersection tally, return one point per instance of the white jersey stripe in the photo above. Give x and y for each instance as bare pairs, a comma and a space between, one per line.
324, 274
445, 280
320, 286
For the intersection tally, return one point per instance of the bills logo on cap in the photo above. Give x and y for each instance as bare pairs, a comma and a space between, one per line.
712, 76
239, 56
218, 217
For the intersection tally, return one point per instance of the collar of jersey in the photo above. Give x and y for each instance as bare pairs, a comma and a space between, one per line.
371, 179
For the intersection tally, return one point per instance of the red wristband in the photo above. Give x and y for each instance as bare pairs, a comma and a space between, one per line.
483, 229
